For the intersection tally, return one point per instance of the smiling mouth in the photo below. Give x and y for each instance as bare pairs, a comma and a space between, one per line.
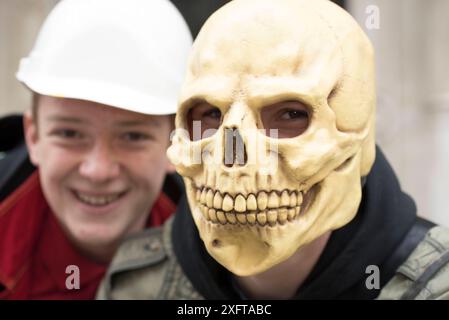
98, 200
276, 207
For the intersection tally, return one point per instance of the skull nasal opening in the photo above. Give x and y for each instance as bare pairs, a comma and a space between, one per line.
234, 148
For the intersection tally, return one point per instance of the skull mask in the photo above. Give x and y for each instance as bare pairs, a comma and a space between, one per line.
303, 67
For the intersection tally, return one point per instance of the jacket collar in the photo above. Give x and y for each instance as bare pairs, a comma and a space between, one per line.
24, 208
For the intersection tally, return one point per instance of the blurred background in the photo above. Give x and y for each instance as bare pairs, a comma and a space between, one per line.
411, 38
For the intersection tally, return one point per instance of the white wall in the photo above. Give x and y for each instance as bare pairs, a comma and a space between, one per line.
20, 21
412, 49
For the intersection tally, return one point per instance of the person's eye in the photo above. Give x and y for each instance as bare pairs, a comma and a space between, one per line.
69, 134
204, 111
213, 113
135, 136
294, 114
204, 118
285, 119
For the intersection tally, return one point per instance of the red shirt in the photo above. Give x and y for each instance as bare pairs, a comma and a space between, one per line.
34, 252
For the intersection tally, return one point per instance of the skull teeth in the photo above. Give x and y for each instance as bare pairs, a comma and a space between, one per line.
270, 217
265, 208
285, 199
218, 200
251, 203
240, 204
273, 200
209, 198
221, 217
231, 218
293, 199
282, 215
228, 203
262, 218
263, 201
251, 218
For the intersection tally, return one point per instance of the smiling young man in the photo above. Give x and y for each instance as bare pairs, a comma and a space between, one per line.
101, 169
104, 76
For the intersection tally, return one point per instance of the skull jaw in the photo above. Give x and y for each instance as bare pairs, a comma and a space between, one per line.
245, 250
251, 249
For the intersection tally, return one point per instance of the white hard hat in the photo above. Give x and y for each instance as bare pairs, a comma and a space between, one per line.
130, 54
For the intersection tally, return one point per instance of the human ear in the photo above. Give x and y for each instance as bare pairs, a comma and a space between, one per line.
31, 137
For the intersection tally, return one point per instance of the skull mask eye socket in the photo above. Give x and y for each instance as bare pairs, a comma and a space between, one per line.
289, 118
203, 120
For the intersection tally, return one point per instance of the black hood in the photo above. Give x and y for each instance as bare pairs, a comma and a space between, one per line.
385, 216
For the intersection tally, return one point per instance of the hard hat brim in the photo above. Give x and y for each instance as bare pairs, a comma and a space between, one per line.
113, 95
